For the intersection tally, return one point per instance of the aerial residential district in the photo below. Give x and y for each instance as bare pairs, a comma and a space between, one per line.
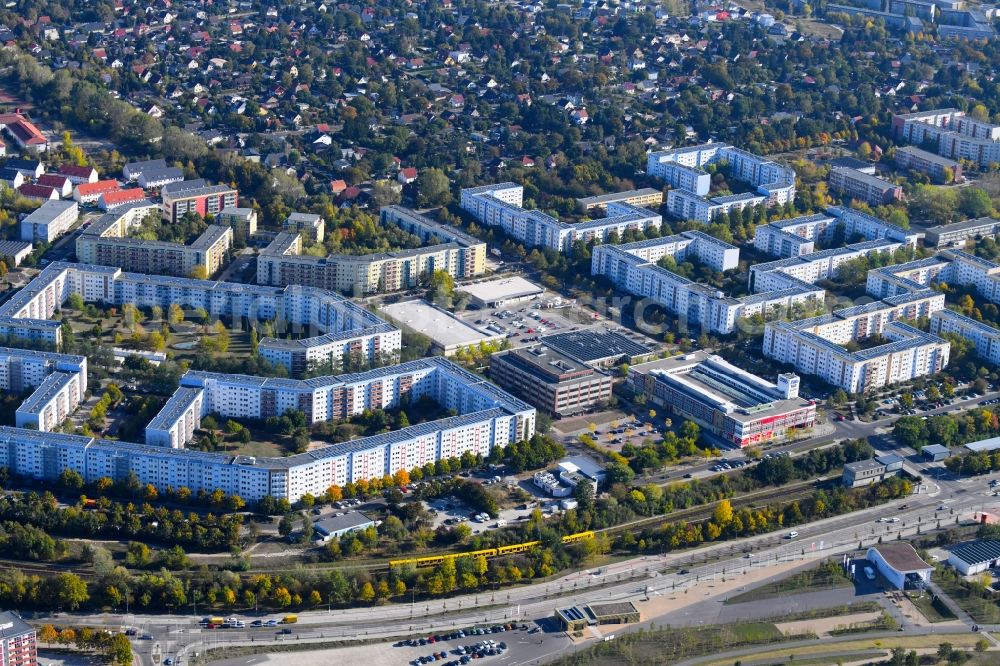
439, 331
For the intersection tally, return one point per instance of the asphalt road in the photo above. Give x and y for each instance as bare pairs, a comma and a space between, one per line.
633, 579
847, 429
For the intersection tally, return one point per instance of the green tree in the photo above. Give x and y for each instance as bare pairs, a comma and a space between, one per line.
974, 202
70, 480
75, 301
69, 591
433, 187
286, 525
584, 494
911, 431
442, 288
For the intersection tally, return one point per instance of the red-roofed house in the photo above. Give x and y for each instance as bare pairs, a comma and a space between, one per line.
37, 192
79, 174
58, 181
349, 195
87, 193
24, 133
110, 200
338, 186
407, 175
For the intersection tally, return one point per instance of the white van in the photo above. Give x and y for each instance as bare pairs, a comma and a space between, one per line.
501, 523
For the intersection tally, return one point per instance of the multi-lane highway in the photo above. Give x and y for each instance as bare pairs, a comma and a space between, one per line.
634, 579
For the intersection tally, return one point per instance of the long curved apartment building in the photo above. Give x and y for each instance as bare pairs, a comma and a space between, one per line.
487, 417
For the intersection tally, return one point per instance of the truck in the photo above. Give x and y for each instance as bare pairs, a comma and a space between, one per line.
290, 619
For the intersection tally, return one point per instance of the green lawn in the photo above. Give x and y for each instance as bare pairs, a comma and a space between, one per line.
258, 448
831, 658
934, 609
981, 609
666, 646
812, 653
827, 576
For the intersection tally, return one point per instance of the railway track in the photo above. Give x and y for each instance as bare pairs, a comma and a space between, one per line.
787, 493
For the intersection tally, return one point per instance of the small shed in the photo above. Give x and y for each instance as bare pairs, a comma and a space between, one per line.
935, 452
337, 526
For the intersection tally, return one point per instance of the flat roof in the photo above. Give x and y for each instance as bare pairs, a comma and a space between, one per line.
236, 210
350, 520
901, 556
548, 365
890, 459
925, 155
990, 444
713, 381
12, 248
307, 218
45, 392
572, 614
499, 290
964, 225
589, 346
442, 327
977, 552
867, 178
176, 405
861, 465
618, 196
12, 625
585, 465
612, 609
49, 211
935, 449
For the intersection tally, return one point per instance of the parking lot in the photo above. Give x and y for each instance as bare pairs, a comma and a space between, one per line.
461, 647
521, 325
524, 322
450, 511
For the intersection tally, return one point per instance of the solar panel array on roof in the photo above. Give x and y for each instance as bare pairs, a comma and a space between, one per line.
573, 613
977, 552
588, 346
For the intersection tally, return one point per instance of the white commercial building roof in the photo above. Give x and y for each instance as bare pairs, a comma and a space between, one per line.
495, 291
443, 328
